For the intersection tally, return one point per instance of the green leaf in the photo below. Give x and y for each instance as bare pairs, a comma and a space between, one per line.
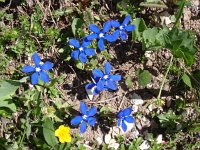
140, 27
76, 24
8, 103
129, 82
186, 80
144, 77
182, 45
8, 88
48, 132
149, 37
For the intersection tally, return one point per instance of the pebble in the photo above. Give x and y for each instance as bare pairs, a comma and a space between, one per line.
145, 145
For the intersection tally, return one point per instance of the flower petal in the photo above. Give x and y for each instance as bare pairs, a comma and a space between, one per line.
83, 127
119, 122
100, 85
76, 120
36, 59
83, 108
85, 42
47, 66
130, 27
74, 43
34, 78
44, 76
111, 85
101, 44
113, 37
124, 126
106, 26
92, 36
115, 23
83, 58
126, 20
97, 73
89, 85
107, 68
127, 111
27, 69
123, 36
129, 119
95, 92
94, 28
92, 111
91, 121
75, 54
120, 113
89, 51
115, 77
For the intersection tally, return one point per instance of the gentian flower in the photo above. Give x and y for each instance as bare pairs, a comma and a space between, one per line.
93, 87
122, 28
39, 70
81, 51
124, 117
102, 35
63, 133
103, 81
85, 117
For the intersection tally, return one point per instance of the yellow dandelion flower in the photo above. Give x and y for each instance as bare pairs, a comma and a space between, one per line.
63, 133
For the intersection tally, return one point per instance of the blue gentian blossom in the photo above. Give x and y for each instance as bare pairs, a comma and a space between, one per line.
85, 117
102, 35
38, 70
122, 28
124, 117
103, 80
82, 51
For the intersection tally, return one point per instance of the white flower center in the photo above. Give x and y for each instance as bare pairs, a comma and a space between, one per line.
37, 69
101, 35
84, 116
106, 77
81, 48
121, 27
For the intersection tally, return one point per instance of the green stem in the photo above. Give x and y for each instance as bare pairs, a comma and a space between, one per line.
164, 79
179, 13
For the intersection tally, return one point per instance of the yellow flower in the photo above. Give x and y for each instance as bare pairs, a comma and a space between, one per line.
63, 133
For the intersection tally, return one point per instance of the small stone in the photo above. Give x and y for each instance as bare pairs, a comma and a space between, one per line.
135, 108
115, 131
178, 126
145, 145
99, 140
137, 100
149, 63
159, 139
145, 122
138, 125
90, 93
113, 144
148, 54
107, 138
135, 134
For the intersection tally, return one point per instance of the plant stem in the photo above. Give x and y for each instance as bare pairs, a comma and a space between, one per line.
164, 79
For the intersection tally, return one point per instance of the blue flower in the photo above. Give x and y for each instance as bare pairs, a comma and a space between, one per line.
124, 117
39, 70
85, 117
123, 27
81, 51
103, 81
102, 35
